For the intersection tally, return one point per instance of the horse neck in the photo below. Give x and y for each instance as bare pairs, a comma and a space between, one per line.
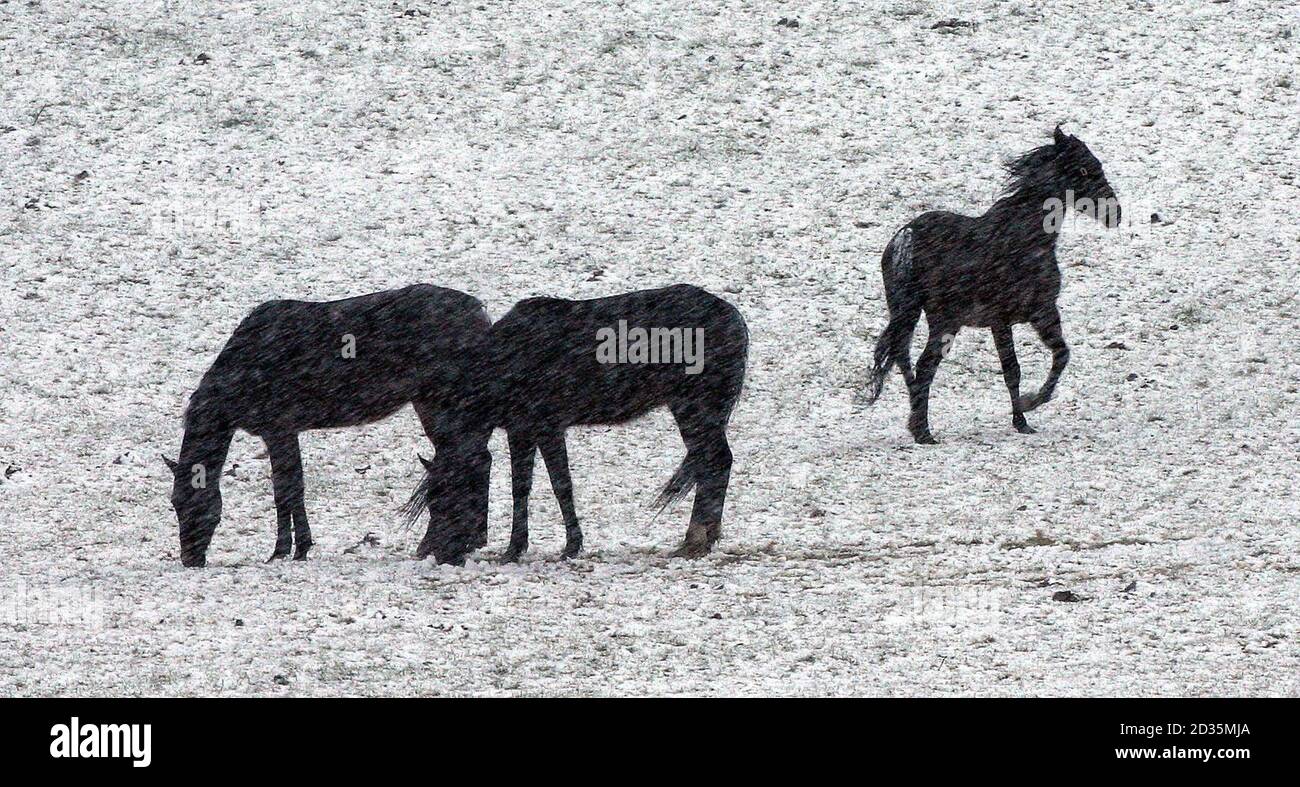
207, 437
1019, 217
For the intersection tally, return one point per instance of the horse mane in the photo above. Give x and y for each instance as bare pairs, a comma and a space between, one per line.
1028, 170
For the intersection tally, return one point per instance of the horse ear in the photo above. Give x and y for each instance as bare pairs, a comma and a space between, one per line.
428, 464
1058, 136
170, 464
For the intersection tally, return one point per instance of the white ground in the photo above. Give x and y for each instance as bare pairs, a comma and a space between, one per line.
514, 149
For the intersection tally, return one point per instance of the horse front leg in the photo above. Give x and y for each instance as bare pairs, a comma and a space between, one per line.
556, 456
522, 452
298, 499
1006, 346
1048, 326
459, 477
282, 483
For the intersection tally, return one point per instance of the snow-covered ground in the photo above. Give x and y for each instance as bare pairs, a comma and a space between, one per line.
168, 165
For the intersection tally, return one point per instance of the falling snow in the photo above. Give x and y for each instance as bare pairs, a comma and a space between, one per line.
169, 165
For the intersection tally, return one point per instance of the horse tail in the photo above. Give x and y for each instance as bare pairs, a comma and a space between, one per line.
417, 503
680, 485
903, 295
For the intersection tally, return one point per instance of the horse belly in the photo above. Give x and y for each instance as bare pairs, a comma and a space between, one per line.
327, 395
597, 395
992, 309
981, 315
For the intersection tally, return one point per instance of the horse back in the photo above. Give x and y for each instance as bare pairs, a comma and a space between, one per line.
293, 365
558, 362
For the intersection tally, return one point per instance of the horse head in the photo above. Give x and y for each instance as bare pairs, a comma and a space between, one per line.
197, 501
1079, 174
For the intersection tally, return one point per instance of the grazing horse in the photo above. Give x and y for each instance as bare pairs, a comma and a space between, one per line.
291, 366
553, 363
991, 271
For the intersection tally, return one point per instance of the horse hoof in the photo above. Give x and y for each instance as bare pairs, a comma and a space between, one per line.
572, 542
690, 551
1024, 428
512, 554
277, 555
300, 555
925, 439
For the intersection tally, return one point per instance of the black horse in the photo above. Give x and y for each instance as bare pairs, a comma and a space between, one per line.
554, 363
291, 366
989, 271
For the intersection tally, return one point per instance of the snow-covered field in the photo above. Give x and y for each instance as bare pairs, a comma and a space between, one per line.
168, 165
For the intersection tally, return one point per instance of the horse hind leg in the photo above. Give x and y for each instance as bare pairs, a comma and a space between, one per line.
905, 356
556, 456
936, 347
283, 532
708, 467
904, 299
705, 527
1004, 341
905, 308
